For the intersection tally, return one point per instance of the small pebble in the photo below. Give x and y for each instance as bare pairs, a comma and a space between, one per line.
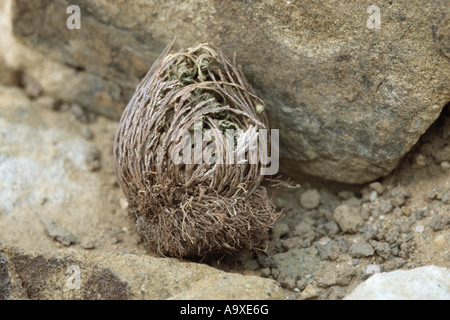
332, 227
373, 195
383, 249
385, 207
59, 234
377, 186
87, 244
435, 194
348, 218
437, 223
419, 228
345, 194
302, 283
398, 212
439, 241
309, 292
420, 160
355, 262
281, 202
123, 203
371, 269
361, 249
279, 230
251, 264
265, 272
310, 199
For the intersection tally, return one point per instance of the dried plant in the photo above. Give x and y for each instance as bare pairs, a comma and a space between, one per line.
193, 209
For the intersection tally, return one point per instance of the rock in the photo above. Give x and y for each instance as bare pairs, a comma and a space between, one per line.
425, 283
332, 227
370, 231
437, 222
265, 272
327, 250
439, 194
348, 218
420, 160
334, 275
123, 203
295, 264
370, 269
383, 249
393, 264
346, 194
352, 202
310, 292
344, 244
361, 249
74, 274
365, 211
59, 234
376, 186
87, 243
385, 207
62, 81
310, 199
399, 195
436, 193
329, 84
279, 229
419, 228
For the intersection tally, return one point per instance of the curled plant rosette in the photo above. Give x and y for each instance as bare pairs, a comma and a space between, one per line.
187, 159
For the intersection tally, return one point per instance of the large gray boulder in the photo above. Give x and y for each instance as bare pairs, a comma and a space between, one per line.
349, 100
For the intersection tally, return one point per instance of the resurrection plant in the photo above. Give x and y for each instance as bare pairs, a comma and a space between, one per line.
194, 208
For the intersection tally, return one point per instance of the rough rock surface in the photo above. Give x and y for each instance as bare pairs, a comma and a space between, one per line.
74, 274
341, 94
47, 181
425, 283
